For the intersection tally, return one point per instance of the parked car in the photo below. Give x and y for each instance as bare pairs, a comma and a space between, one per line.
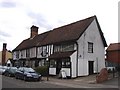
26, 74
10, 71
3, 69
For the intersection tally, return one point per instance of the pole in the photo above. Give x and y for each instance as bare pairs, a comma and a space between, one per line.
47, 70
97, 65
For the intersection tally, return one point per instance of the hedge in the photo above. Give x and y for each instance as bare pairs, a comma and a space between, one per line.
43, 70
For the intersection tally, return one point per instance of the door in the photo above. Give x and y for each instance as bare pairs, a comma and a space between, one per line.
91, 67
58, 66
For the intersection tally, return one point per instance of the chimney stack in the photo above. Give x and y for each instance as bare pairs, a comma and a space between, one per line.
4, 53
34, 31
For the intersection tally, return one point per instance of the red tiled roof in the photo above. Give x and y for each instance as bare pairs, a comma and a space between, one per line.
57, 55
113, 47
70, 32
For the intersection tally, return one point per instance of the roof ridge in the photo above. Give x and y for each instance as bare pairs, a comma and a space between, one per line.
75, 22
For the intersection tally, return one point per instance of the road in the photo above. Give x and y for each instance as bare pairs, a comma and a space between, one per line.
11, 82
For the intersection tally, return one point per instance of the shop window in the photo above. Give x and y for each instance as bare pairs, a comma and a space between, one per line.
52, 63
66, 63
42, 63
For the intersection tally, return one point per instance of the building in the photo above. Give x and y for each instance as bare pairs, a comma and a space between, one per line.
77, 48
5, 55
113, 55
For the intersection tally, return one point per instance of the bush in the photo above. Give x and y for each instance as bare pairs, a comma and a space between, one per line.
43, 70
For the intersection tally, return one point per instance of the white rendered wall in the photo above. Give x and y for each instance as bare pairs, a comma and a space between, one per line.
52, 71
90, 35
67, 71
73, 58
32, 52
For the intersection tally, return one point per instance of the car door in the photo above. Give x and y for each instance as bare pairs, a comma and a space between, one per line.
21, 73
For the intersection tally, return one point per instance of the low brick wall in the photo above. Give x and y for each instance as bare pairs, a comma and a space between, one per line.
102, 76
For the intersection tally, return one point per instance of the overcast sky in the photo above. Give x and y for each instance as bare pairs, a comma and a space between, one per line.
17, 16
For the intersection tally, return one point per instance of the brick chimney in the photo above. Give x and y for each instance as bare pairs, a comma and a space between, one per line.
4, 53
34, 31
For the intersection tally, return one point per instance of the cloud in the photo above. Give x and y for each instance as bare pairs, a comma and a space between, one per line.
8, 4
4, 34
39, 19
2, 40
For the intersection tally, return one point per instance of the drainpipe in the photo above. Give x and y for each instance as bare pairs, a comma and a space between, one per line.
77, 60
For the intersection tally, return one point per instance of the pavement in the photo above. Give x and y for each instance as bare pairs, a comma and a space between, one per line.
84, 82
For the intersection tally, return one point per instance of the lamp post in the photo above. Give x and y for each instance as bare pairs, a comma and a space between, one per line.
47, 69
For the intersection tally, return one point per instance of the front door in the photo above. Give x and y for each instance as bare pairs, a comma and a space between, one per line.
58, 66
90, 67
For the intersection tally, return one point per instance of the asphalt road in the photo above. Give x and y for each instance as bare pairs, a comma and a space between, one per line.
11, 82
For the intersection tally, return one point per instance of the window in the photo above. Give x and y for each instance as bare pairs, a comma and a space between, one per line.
42, 62
66, 63
17, 54
90, 47
52, 63
28, 53
63, 47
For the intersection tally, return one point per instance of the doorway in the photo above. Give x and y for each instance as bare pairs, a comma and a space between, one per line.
58, 66
91, 67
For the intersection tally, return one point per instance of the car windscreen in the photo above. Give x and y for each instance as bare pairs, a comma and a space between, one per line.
13, 69
30, 70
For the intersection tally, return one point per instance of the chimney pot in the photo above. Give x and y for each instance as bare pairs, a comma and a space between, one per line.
4, 53
4, 46
34, 31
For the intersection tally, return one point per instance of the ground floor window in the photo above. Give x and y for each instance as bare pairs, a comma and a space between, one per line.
110, 64
52, 63
42, 62
66, 63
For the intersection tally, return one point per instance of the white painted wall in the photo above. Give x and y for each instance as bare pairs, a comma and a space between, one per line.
23, 54
52, 71
90, 35
73, 58
19, 54
67, 71
14, 55
39, 51
33, 52
82, 67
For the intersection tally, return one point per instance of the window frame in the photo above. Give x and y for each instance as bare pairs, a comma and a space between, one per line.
90, 47
52, 63
66, 63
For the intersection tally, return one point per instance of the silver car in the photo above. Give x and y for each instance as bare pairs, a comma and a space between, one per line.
2, 69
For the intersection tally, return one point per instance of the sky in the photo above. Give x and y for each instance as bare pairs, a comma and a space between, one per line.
17, 16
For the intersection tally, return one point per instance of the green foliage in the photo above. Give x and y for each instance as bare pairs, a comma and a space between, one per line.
43, 70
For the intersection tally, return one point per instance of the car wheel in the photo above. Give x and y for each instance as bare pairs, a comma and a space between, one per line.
9, 74
16, 76
39, 79
25, 78
4, 74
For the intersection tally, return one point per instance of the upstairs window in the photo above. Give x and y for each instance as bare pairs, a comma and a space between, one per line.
28, 53
90, 47
64, 47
